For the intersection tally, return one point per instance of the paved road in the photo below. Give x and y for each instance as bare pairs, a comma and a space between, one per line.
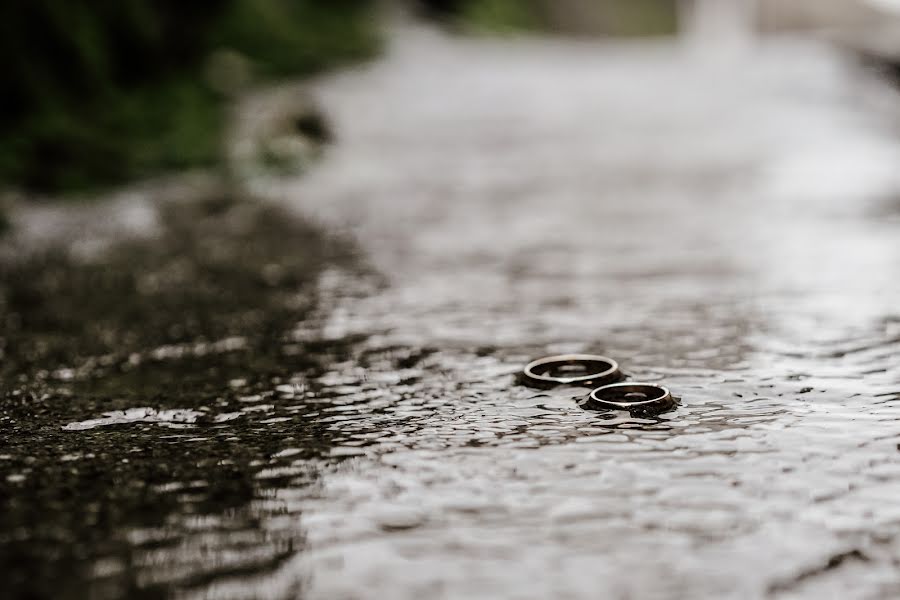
727, 224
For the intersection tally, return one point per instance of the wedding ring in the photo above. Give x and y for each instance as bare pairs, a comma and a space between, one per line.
572, 369
642, 398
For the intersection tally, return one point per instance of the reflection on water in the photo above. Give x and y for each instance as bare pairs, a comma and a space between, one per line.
520, 199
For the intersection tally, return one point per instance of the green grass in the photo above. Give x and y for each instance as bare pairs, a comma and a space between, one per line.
609, 17
500, 16
97, 96
643, 17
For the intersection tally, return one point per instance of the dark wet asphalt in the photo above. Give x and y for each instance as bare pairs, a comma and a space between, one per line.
325, 406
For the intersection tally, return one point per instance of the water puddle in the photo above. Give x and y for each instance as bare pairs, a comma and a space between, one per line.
183, 416
312, 428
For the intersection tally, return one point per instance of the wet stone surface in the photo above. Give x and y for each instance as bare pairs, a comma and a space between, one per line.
288, 414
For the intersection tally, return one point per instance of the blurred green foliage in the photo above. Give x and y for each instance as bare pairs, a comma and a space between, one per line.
642, 17
98, 92
500, 16
593, 17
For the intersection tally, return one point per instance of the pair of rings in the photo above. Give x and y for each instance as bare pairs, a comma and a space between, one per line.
603, 374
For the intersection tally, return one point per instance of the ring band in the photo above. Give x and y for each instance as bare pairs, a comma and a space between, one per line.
644, 398
600, 370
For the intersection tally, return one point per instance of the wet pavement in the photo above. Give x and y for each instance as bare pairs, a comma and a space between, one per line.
326, 406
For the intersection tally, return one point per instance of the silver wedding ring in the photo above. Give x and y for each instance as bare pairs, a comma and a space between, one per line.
642, 398
572, 369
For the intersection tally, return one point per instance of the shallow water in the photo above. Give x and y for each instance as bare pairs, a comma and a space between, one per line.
728, 227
